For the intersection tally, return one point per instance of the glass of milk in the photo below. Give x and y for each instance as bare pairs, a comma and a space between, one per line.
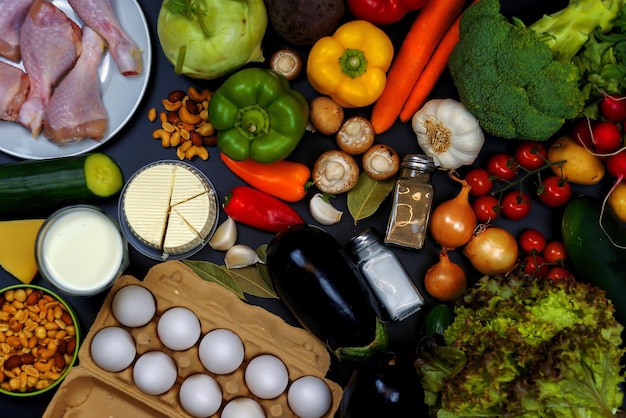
81, 250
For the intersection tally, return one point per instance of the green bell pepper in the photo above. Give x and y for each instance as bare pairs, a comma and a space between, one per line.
257, 115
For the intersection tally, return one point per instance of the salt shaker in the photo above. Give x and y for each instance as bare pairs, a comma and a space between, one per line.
385, 275
412, 201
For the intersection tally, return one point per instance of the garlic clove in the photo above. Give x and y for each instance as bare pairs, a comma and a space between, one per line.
225, 236
239, 256
323, 211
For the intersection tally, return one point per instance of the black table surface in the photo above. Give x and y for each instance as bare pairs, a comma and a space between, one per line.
134, 147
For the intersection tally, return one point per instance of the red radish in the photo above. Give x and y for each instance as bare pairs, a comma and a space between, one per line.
616, 165
613, 107
581, 132
606, 136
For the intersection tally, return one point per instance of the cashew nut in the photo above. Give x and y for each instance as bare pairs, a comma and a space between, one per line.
163, 135
197, 96
199, 151
189, 118
171, 106
182, 149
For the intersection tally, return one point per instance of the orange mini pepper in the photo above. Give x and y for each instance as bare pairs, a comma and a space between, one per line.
286, 180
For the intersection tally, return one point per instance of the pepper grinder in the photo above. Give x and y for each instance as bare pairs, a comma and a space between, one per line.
412, 201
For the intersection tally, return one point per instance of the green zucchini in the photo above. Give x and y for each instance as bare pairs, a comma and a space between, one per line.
593, 257
437, 319
44, 184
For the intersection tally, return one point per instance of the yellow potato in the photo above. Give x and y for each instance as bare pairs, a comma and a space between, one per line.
617, 201
580, 166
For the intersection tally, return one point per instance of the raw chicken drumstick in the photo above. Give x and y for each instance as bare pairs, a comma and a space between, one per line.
50, 43
75, 110
11, 19
14, 85
99, 15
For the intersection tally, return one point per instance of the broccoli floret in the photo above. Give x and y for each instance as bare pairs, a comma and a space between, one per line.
567, 30
508, 78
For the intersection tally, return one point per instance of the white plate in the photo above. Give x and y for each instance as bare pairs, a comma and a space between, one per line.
121, 95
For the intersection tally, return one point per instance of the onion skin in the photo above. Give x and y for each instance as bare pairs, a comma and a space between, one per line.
452, 223
445, 280
492, 251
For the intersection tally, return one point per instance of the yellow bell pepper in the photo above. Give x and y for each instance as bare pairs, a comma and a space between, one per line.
351, 65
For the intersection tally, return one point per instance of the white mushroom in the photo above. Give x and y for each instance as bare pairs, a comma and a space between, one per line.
381, 162
335, 172
356, 135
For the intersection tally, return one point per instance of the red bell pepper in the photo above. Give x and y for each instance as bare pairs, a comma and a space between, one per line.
259, 210
384, 12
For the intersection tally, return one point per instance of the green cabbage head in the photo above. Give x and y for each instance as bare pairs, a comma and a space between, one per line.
207, 39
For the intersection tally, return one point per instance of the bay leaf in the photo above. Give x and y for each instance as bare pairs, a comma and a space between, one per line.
262, 268
365, 197
217, 274
251, 282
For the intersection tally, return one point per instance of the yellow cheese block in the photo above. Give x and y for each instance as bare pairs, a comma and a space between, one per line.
17, 247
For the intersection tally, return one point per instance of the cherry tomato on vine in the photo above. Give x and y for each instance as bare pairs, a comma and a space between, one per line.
485, 208
535, 265
558, 272
613, 107
531, 241
515, 205
502, 166
531, 155
581, 132
554, 191
554, 252
607, 136
479, 181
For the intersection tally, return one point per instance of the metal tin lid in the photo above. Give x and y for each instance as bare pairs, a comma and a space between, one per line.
418, 162
363, 240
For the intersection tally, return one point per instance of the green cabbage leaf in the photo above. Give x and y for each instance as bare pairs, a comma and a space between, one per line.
208, 39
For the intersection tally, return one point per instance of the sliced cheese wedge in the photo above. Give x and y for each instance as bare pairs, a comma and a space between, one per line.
17, 247
170, 207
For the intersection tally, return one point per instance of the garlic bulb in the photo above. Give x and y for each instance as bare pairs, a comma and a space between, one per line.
323, 211
448, 133
225, 235
239, 256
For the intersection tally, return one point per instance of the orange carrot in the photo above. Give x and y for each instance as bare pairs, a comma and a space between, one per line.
432, 71
420, 42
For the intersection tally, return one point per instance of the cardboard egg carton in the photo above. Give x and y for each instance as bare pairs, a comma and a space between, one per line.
91, 391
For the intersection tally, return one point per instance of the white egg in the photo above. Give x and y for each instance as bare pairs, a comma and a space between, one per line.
243, 408
200, 395
178, 328
133, 306
221, 351
113, 349
266, 376
309, 397
154, 373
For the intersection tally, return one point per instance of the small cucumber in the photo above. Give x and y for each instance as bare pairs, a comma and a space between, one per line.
44, 184
437, 319
592, 255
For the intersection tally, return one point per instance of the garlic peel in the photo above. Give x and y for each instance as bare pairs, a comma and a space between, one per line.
239, 256
448, 133
225, 235
323, 211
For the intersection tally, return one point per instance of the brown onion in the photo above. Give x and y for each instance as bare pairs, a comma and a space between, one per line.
492, 250
452, 222
445, 280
